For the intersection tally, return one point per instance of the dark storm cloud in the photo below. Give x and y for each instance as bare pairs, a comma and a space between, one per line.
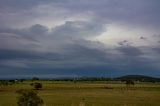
38, 29
28, 42
129, 50
15, 54
28, 55
78, 54
31, 32
84, 53
157, 49
21, 44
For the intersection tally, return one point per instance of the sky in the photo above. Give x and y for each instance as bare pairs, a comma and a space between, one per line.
54, 38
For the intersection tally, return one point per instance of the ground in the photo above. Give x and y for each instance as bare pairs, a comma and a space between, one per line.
95, 93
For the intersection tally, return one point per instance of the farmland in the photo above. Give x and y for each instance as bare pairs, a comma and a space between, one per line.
87, 93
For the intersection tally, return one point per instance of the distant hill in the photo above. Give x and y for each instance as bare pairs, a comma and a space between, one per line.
141, 78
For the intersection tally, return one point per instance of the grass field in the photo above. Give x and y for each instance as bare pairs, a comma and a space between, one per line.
66, 93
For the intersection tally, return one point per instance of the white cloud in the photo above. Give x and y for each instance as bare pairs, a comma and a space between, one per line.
118, 32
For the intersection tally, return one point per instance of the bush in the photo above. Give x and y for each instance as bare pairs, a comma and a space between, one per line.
4, 83
36, 85
28, 98
35, 78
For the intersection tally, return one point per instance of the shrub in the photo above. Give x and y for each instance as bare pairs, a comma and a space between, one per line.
28, 98
35, 78
36, 85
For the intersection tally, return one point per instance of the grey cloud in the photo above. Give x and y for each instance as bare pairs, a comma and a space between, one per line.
82, 52
143, 54
65, 46
130, 50
157, 38
76, 53
73, 29
124, 43
6, 54
26, 38
12, 39
78, 29
38, 29
78, 50
77, 56
127, 11
39, 38
28, 58
145, 13
143, 38
137, 59
34, 30
129, 58
13, 63
157, 49
17, 4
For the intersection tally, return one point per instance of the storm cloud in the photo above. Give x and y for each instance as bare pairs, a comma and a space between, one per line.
87, 37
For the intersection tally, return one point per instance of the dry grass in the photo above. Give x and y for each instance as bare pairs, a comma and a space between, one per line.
87, 94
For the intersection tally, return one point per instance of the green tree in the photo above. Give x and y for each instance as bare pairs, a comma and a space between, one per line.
28, 98
36, 85
35, 78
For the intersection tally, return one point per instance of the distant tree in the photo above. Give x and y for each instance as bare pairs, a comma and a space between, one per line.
28, 98
35, 78
4, 83
129, 82
21, 80
11, 82
36, 85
